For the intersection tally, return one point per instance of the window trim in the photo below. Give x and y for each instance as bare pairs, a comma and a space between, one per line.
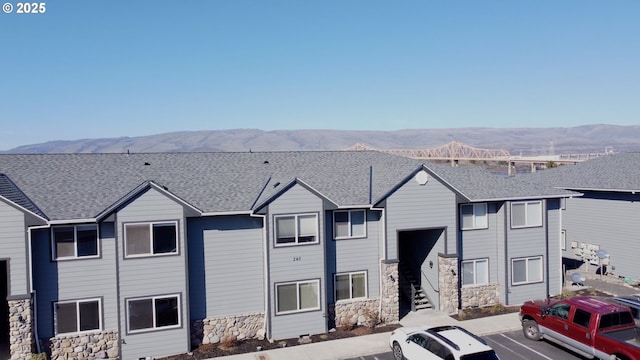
351, 273
526, 211
351, 235
54, 251
473, 214
153, 302
77, 302
527, 258
475, 272
151, 239
296, 229
298, 283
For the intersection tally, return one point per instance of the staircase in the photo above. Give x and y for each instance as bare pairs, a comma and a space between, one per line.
410, 287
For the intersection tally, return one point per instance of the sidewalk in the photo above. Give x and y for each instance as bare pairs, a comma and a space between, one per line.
379, 343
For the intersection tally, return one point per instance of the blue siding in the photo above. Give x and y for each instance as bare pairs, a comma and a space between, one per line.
295, 263
610, 223
155, 275
487, 243
13, 248
226, 259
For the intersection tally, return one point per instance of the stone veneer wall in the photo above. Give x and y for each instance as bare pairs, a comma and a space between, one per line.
21, 338
481, 295
390, 312
357, 313
89, 346
448, 284
228, 328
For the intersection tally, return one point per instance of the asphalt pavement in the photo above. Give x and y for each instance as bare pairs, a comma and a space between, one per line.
379, 343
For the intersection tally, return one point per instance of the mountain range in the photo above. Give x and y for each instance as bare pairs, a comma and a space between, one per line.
518, 141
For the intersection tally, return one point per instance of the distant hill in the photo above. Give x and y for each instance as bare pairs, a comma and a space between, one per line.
525, 141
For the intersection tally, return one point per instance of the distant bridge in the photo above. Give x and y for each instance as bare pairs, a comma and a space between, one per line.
456, 151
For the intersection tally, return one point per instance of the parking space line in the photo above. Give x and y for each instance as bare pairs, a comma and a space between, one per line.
508, 349
526, 347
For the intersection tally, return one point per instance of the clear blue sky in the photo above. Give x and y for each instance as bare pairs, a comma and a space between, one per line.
110, 68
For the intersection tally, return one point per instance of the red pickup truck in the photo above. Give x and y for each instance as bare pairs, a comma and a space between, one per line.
588, 326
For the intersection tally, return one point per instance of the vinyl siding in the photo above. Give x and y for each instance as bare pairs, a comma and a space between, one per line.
154, 275
611, 222
358, 254
415, 206
76, 279
521, 243
487, 243
226, 266
297, 263
431, 207
13, 248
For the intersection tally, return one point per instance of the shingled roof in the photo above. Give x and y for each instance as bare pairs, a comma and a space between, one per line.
617, 173
82, 186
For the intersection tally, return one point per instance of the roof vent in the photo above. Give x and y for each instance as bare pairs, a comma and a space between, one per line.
276, 184
146, 163
266, 162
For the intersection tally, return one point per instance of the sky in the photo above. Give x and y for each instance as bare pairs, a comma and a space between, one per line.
112, 68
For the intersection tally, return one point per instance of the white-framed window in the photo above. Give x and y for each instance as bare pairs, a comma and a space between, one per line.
526, 270
473, 216
351, 285
349, 224
475, 272
149, 239
75, 241
526, 214
77, 316
296, 229
152, 313
297, 296
563, 239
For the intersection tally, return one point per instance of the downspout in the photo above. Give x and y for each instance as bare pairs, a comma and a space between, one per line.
266, 272
507, 268
546, 227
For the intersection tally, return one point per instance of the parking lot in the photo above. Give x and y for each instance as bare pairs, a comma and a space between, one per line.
509, 346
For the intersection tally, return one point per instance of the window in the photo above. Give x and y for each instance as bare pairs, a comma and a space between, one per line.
77, 316
473, 216
296, 229
526, 270
350, 285
526, 214
72, 242
475, 272
582, 318
297, 296
349, 224
153, 313
151, 239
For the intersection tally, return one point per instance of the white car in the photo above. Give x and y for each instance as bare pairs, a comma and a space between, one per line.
441, 342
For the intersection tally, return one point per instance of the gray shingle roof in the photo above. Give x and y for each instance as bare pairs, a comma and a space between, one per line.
82, 186
620, 172
11, 192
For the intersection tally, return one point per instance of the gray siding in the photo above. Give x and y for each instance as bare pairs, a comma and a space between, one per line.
13, 248
151, 276
521, 243
554, 274
359, 254
226, 259
610, 223
415, 206
430, 206
296, 263
487, 243
76, 279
